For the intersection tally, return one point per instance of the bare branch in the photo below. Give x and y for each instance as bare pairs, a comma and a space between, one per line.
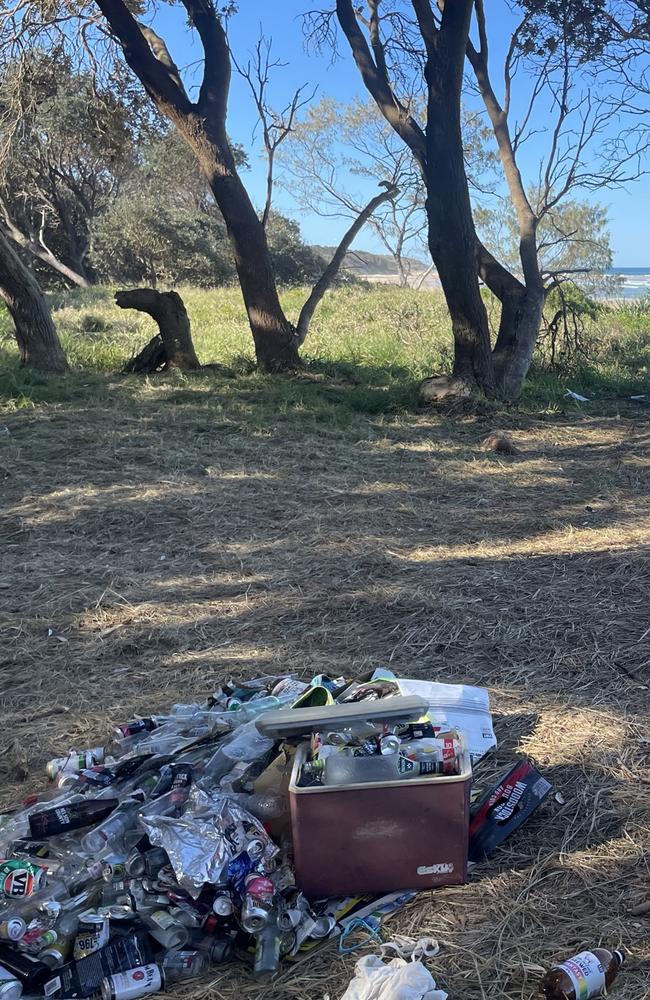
330, 272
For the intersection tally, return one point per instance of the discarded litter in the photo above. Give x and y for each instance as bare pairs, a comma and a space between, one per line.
189, 839
375, 979
504, 808
576, 395
587, 975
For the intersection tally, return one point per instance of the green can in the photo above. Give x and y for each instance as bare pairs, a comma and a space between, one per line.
19, 878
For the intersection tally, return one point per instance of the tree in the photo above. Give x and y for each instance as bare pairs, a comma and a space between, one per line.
438, 44
164, 226
580, 155
202, 125
324, 180
276, 127
36, 335
418, 46
66, 144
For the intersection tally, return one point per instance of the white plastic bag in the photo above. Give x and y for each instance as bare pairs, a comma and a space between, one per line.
394, 980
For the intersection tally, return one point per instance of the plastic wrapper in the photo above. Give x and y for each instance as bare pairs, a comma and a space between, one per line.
201, 844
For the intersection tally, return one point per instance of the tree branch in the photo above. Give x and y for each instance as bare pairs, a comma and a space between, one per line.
332, 268
158, 79
377, 85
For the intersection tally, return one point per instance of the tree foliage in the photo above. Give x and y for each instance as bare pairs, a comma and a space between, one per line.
67, 143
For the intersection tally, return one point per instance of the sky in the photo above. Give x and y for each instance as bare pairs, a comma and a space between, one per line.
281, 20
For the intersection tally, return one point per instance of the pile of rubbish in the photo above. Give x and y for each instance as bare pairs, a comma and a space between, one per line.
250, 827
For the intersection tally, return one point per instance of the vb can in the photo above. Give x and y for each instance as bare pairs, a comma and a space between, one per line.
19, 878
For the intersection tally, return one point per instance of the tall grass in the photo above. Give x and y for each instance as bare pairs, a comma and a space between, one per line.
379, 336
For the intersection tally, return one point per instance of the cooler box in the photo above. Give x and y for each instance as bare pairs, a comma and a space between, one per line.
381, 836
376, 837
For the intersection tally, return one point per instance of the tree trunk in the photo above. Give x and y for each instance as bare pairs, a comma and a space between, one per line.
451, 233
276, 343
169, 312
36, 335
521, 317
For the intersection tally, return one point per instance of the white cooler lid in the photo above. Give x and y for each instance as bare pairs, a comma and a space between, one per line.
300, 721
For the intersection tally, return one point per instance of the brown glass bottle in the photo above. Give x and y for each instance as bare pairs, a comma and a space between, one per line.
584, 976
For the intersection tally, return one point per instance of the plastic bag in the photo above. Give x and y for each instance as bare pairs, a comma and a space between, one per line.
395, 980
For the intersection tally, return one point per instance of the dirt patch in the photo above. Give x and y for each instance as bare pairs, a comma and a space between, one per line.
152, 544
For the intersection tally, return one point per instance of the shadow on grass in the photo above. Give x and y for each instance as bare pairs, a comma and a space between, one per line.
323, 390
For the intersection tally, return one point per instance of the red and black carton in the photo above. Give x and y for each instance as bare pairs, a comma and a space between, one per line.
504, 808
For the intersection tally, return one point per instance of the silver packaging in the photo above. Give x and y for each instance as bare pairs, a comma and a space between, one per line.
204, 840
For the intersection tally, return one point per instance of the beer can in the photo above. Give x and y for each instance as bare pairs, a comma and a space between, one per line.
137, 982
134, 728
38, 939
19, 877
74, 762
289, 918
323, 926
12, 929
366, 749
10, 987
220, 951
223, 904
255, 848
93, 933
54, 956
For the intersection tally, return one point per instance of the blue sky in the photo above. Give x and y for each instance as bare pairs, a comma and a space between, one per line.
281, 20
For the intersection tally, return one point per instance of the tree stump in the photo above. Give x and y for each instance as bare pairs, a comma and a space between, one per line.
173, 346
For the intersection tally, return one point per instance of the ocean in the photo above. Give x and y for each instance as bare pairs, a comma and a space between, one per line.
634, 282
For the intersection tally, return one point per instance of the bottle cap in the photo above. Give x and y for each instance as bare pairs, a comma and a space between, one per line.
620, 955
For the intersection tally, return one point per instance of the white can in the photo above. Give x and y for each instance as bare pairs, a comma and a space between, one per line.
10, 987
136, 982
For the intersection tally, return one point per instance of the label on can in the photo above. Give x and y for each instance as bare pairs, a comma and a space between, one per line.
93, 935
134, 983
586, 974
20, 878
260, 887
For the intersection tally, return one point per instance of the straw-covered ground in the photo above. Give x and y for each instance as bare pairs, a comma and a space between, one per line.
158, 536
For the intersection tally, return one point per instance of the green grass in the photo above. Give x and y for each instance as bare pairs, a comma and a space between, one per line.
366, 353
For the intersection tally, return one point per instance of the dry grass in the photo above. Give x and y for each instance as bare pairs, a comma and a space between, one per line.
167, 540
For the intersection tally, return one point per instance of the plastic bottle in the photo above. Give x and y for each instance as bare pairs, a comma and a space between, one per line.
247, 744
179, 965
586, 975
267, 949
